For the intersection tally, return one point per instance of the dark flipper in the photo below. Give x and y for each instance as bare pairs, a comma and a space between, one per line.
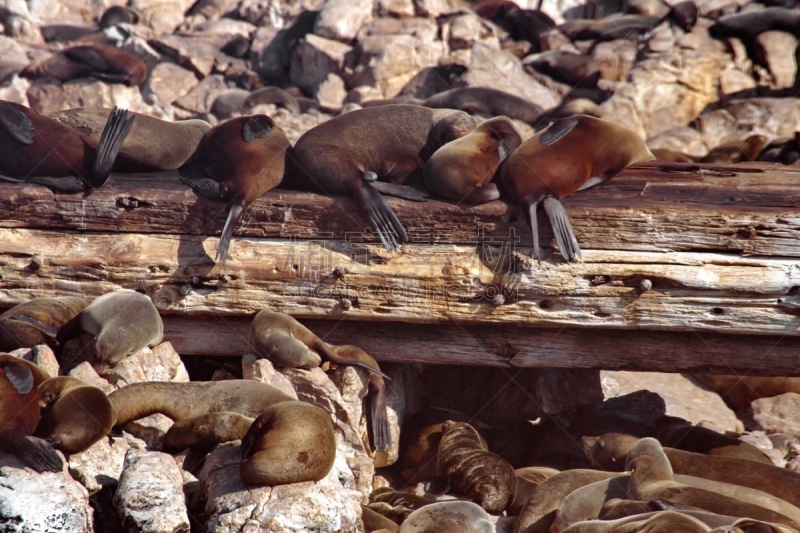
20, 377
558, 130
65, 185
117, 127
532, 207
256, 127
34, 452
88, 56
17, 123
234, 215
205, 187
381, 218
47, 329
400, 191
562, 228
381, 434
481, 195
324, 350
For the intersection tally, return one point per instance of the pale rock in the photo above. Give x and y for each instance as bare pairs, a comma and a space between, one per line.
491, 67
419, 28
331, 93
161, 363
42, 356
169, 82
396, 8
46, 96
213, 9
150, 496
293, 125
555, 40
773, 117
101, 465
190, 52
150, 429
348, 107
738, 52
275, 13
314, 386
559, 10
163, 16
666, 90
778, 414
316, 58
761, 440
364, 93
776, 51
202, 96
615, 58
227, 27
19, 23
49, 502
681, 139
463, 29
432, 8
341, 19
329, 505
86, 373
268, 62
16, 90
264, 371
684, 397
389, 62
661, 39
648, 8
11, 51
732, 81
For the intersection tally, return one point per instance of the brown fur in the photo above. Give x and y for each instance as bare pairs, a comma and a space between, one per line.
528, 478
448, 517
419, 441
98, 60
50, 311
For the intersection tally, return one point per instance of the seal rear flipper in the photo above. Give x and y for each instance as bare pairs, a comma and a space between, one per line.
400, 191
324, 350
532, 207
381, 432
117, 127
481, 195
20, 377
562, 228
49, 330
380, 216
205, 187
558, 130
63, 185
17, 123
234, 215
34, 452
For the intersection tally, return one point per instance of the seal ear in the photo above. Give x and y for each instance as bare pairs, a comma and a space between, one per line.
17, 123
256, 127
558, 130
20, 377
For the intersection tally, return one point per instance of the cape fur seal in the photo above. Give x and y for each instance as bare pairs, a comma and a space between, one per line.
486, 101
485, 477
521, 24
237, 162
419, 441
20, 414
51, 154
609, 28
151, 145
75, 414
748, 25
100, 61
739, 391
289, 442
577, 70
50, 311
352, 153
736, 151
462, 170
528, 478
448, 517
571, 155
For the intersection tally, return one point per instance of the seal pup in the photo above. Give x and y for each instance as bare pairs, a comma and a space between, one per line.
610, 450
151, 145
289, 442
50, 311
31, 137
419, 441
485, 477
354, 153
486, 101
651, 478
528, 478
20, 414
75, 414
461, 170
448, 517
571, 155
121, 322
100, 61
237, 162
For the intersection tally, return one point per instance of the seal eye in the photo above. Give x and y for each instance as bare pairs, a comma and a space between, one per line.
256, 127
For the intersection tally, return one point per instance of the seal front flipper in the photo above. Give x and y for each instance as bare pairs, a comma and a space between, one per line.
205, 187
534, 222
400, 191
17, 123
562, 228
47, 329
381, 433
234, 214
20, 377
558, 130
117, 127
34, 452
380, 216
256, 127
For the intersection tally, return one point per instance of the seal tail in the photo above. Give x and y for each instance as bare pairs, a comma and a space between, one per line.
234, 215
117, 127
562, 228
379, 418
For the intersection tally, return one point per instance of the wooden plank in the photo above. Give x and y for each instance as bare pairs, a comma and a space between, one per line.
749, 213
510, 346
422, 284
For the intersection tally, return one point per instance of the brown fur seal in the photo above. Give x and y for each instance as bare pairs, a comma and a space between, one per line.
54, 155
152, 144
665, 154
652, 479
397, 498
448, 517
486, 101
739, 391
528, 478
20, 414
203, 432
50, 311
122, 323
75, 414
462, 169
374, 521
273, 95
737, 152
348, 153
572, 154
378, 417
105, 63
237, 162
660, 522
419, 441
574, 69
289, 442
485, 477
118, 15
521, 24
610, 450
748, 25
609, 28
676, 432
